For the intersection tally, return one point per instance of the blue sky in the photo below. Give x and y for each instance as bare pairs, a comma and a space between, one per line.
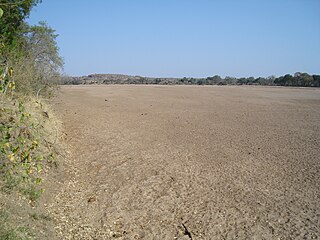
185, 38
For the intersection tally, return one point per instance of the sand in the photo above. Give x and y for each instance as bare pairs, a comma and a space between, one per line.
189, 162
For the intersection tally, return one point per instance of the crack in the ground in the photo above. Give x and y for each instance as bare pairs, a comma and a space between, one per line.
186, 231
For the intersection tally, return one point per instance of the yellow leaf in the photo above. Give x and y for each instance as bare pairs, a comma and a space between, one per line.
11, 72
11, 157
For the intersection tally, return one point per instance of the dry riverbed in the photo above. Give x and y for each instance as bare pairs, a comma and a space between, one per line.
189, 162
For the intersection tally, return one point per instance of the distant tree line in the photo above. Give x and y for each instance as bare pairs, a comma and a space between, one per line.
297, 80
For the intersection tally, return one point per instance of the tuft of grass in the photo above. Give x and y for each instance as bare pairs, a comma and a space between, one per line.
8, 232
41, 216
32, 192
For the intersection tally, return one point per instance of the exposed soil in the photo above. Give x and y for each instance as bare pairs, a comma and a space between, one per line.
189, 162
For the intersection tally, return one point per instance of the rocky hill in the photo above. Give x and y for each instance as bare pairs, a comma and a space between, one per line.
121, 79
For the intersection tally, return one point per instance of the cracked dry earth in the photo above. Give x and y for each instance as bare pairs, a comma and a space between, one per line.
189, 162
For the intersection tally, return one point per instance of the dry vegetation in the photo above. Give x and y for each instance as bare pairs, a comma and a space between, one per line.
29, 150
29, 68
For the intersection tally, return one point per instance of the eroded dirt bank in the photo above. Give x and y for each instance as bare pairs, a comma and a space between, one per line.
188, 162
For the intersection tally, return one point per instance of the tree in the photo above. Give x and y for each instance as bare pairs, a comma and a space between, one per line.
230, 80
242, 81
31, 51
285, 80
12, 20
261, 81
13, 14
270, 80
216, 79
304, 79
250, 80
316, 81
41, 58
200, 82
297, 74
42, 46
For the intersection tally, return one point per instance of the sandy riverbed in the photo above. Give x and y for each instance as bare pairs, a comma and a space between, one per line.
189, 162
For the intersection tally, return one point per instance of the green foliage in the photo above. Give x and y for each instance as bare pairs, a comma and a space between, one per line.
38, 68
30, 52
12, 20
29, 63
299, 79
22, 157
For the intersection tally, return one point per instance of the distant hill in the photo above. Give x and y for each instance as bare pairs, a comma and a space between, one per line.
117, 79
298, 79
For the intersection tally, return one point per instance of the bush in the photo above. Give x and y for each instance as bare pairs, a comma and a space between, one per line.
27, 145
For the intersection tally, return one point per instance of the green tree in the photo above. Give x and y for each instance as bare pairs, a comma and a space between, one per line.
12, 26
30, 51
214, 80
241, 81
12, 20
316, 81
230, 80
304, 79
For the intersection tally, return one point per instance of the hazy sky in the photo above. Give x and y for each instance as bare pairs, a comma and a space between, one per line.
177, 38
